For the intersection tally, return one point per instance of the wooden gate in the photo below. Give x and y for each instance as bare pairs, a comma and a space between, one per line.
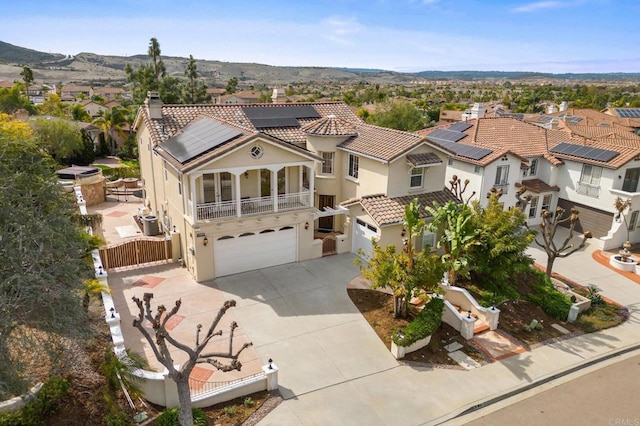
136, 252
329, 245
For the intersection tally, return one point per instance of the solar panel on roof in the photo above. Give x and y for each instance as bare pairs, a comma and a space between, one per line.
628, 112
199, 137
459, 127
446, 135
270, 116
468, 151
266, 123
545, 118
587, 152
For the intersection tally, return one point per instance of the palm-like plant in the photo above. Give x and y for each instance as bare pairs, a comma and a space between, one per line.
109, 122
452, 222
622, 205
92, 287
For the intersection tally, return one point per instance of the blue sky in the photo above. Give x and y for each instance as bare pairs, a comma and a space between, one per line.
399, 35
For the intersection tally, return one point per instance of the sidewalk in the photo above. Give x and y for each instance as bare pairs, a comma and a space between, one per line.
407, 395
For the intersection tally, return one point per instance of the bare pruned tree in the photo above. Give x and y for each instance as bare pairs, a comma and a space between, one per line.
457, 187
161, 339
549, 225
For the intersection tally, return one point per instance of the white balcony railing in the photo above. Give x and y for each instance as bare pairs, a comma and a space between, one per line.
588, 190
252, 206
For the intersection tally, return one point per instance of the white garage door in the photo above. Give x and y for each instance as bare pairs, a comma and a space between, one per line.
362, 234
254, 250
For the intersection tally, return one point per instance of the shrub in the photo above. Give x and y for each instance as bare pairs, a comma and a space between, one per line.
41, 407
169, 417
594, 295
551, 301
423, 325
230, 410
249, 402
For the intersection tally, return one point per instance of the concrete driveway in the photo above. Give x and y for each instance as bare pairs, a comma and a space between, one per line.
300, 315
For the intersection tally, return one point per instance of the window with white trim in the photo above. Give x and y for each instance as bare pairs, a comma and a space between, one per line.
416, 177
546, 202
353, 166
502, 175
633, 220
590, 175
327, 163
533, 207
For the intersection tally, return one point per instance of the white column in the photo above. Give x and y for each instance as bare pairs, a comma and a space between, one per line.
312, 178
194, 203
274, 188
237, 193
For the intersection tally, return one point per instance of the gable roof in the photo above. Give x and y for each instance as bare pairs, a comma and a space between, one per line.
380, 142
390, 211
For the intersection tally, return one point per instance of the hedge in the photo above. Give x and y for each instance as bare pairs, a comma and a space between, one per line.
552, 302
424, 324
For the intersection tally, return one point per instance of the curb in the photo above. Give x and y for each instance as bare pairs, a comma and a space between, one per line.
471, 408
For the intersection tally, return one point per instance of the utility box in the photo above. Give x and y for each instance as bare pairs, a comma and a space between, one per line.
150, 225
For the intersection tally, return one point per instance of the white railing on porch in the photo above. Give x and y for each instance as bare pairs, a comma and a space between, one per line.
252, 206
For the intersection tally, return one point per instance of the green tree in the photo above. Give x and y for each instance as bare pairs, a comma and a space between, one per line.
453, 223
78, 113
12, 100
42, 251
53, 106
194, 90
27, 77
399, 115
111, 122
406, 273
232, 85
503, 239
159, 70
60, 138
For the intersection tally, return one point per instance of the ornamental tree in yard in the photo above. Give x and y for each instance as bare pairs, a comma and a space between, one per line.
406, 272
453, 223
159, 339
549, 227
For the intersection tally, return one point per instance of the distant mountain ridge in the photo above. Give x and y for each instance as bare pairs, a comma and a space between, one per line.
91, 67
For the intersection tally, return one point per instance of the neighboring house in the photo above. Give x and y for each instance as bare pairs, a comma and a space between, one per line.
251, 186
244, 97
215, 93
109, 93
73, 92
569, 165
93, 108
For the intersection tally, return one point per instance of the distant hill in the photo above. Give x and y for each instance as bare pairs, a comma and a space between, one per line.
91, 68
11, 54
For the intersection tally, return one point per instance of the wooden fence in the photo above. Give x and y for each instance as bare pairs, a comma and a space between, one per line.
136, 252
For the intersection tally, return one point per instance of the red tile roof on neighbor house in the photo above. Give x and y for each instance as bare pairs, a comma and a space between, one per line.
424, 159
330, 126
526, 140
380, 142
389, 211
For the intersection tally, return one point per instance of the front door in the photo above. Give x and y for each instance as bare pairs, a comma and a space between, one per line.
630, 183
325, 223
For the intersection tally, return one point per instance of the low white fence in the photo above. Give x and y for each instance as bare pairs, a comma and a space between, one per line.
159, 388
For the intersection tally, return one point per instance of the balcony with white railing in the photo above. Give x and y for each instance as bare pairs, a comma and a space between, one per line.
253, 206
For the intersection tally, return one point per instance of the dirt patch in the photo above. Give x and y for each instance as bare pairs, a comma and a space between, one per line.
377, 308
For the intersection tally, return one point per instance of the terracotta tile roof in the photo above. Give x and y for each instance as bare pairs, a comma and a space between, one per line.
330, 126
175, 117
381, 142
423, 159
537, 186
388, 211
526, 140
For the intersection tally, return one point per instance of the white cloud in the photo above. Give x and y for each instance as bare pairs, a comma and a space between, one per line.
541, 5
340, 30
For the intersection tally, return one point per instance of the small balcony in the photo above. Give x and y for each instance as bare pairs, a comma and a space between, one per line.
253, 206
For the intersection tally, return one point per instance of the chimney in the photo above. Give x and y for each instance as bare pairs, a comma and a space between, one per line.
478, 111
278, 96
564, 106
154, 105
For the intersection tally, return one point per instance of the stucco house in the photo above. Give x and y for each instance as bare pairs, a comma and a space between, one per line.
258, 185
566, 164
